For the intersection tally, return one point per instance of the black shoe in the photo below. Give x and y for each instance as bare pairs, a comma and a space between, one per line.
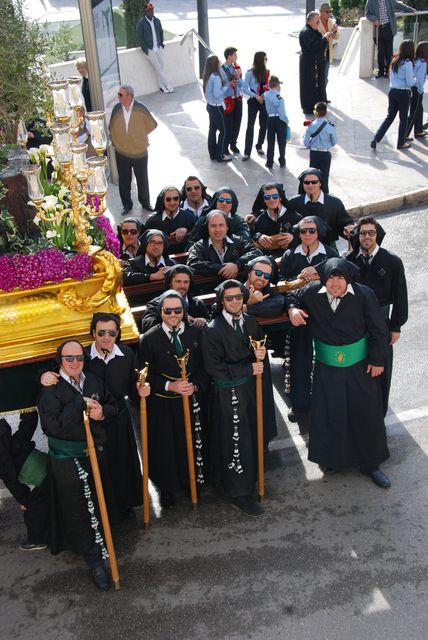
248, 506
260, 151
100, 577
328, 471
281, 162
125, 211
373, 144
268, 166
235, 149
245, 157
292, 417
328, 101
378, 476
224, 158
33, 546
381, 75
148, 207
167, 500
425, 126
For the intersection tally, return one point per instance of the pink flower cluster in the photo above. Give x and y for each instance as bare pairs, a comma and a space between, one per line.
111, 241
47, 265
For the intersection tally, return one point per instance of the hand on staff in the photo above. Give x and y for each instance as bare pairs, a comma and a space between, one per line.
264, 241
228, 270
309, 273
260, 353
297, 316
374, 371
49, 378
257, 367
143, 389
94, 409
394, 336
179, 234
183, 387
285, 239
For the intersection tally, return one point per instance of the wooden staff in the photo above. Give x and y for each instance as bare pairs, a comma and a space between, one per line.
101, 502
256, 344
142, 375
182, 361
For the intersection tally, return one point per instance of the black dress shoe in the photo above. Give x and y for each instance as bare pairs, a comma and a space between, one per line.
148, 207
328, 471
281, 162
125, 211
268, 166
100, 577
378, 476
248, 506
260, 151
381, 75
235, 150
373, 144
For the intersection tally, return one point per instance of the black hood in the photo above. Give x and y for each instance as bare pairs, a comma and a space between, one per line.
355, 237
309, 172
334, 266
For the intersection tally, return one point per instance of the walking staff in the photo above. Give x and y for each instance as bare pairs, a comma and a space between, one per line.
257, 344
182, 361
144, 447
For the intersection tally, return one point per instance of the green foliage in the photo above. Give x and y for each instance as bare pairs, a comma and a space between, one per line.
134, 9
60, 43
119, 27
23, 49
348, 12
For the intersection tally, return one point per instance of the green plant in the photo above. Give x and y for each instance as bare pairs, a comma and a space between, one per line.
60, 44
134, 9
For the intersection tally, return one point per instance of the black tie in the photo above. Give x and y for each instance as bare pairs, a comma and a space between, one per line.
238, 328
178, 347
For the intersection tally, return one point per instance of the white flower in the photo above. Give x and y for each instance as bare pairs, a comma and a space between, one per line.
62, 192
44, 149
51, 234
49, 203
55, 164
34, 156
50, 151
36, 220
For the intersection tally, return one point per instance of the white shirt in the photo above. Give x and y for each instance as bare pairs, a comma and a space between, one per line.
320, 199
197, 211
275, 217
76, 385
165, 215
220, 255
230, 318
303, 251
127, 114
160, 262
371, 256
113, 353
155, 40
332, 300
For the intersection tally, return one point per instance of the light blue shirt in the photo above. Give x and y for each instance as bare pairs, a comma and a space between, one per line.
226, 82
404, 78
324, 140
274, 104
421, 74
251, 84
214, 90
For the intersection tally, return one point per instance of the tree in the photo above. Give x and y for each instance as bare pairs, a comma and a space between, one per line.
134, 9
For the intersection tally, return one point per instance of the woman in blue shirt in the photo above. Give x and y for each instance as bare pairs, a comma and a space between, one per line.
214, 94
401, 81
255, 84
417, 101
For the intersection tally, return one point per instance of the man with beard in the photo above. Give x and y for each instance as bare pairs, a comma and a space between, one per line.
152, 263
175, 223
194, 196
277, 219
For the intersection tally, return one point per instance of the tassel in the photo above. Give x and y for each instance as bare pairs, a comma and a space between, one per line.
236, 460
83, 476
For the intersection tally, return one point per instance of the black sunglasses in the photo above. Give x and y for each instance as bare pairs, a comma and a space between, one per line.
102, 332
120, 95
169, 310
172, 198
274, 196
125, 232
371, 233
193, 188
310, 230
79, 358
236, 296
259, 273
310, 181
228, 200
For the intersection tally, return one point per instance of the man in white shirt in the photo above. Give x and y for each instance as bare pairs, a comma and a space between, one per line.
150, 37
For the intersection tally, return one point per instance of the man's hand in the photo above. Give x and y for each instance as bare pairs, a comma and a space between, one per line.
49, 378
374, 371
228, 270
159, 275
376, 23
183, 387
95, 410
259, 99
179, 234
285, 239
348, 230
256, 296
394, 336
23, 507
143, 389
257, 368
309, 274
264, 241
297, 316
260, 353
198, 322
250, 219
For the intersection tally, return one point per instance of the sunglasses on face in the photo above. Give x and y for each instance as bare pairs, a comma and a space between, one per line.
193, 188
274, 196
172, 198
310, 230
259, 273
157, 242
228, 200
370, 233
120, 95
235, 296
102, 332
168, 310
132, 232
310, 181
79, 358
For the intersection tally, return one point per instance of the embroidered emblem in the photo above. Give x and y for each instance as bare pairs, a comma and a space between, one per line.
382, 272
340, 356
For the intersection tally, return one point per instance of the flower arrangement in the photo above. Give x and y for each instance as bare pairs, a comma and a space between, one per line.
50, 168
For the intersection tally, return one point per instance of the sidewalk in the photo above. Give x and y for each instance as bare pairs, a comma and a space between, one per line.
358, 175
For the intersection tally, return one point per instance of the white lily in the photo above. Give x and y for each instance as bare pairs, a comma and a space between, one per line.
34, 156
49, 203
51, 234
63, 192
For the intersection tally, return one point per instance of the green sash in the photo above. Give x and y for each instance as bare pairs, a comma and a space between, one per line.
344, 355
33, 471
228, 384
66, 449
385, 311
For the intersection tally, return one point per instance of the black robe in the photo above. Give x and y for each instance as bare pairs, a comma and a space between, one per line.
119, 376
332, 212
264, 225
61, 415
136, 271
385, 275
184, 218
237, 227
312, 63
228, 357
196, 309
204, 259
168, 466
346, 423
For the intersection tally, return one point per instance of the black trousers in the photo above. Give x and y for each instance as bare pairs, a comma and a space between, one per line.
276, 128
255, 108
216, 146
125, 165
416, 112
321, 160
233, 124
301, 356
37, 515
384, 48
398, 102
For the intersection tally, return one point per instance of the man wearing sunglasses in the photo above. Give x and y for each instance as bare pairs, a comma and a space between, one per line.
194, 196
383, 272
263, 300
231, 362
128, 233
176, 223
225, 200
153, 261
276, 219
160, 347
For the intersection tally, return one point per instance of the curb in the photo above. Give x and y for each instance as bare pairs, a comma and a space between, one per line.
387, 205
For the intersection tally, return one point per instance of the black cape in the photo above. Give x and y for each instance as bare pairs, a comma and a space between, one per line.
332, 212
311, 66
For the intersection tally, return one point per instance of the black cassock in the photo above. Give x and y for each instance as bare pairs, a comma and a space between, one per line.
312, 62
346, 424
168, 467
119, 376
228, 360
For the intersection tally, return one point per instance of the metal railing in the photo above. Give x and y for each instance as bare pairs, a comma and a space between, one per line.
193, 32
411, 26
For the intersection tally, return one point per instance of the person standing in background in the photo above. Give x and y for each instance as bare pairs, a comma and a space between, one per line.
417, 100
215, 92
327, 24
81, 67
150, 37
231, 71
255, 84
312, 57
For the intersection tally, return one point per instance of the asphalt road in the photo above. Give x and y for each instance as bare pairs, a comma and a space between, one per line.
333, 558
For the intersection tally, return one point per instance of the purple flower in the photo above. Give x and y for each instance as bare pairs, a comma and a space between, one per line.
29, 271
111, 241
53, 264
8, 280
79, 266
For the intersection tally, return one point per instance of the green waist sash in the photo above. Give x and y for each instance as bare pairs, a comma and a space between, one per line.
33, 471
385, 311
228, 384
344, 355
66, 449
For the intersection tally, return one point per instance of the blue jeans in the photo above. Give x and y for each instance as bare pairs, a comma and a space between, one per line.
216, 147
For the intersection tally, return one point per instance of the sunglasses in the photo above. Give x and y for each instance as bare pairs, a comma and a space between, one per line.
125, 232
157, 242
310, 181
311, 230
228, 200
120, 95
169, 310
102, 332
259, 273
193, 188
79, 358
172, 198
274, 196
236, 296
370, 233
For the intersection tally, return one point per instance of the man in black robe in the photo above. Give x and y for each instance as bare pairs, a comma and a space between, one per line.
159, 348
312, 63
350, 339
383, 272
231, 362
152, 261
75, 524
176, 223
